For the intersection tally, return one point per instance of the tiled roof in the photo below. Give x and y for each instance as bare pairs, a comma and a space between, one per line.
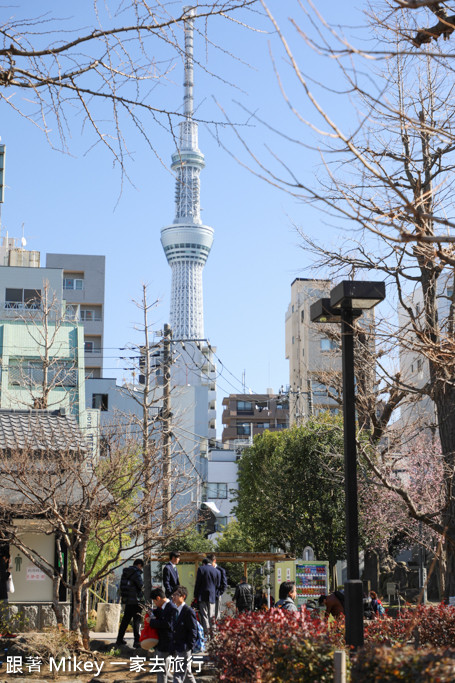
39, 430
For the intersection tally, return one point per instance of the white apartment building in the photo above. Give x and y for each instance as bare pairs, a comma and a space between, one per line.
221, 481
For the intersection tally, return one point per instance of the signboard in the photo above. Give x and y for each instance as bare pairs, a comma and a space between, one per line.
30, 583
34, 574
311, 580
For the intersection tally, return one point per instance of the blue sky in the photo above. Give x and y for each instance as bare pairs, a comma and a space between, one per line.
70, 202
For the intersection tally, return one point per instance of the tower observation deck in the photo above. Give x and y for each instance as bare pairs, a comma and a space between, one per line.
187, 242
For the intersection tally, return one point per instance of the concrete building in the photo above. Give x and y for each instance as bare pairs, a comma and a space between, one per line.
29, 297
83, 290
420, 410
120, 407
311, 353
221, 481
246, 415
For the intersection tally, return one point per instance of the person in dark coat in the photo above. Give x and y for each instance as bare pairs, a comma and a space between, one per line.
185, 635
244, 596
170, 573
131, 585
208, 581
222, 587
163, 618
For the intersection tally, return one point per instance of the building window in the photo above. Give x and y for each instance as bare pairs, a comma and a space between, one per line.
302, 316
72, 312
293, 308
263, 425
100, 401
73, 283
292, 339
417, 309
22, 298
89, 347
216, 490
245, 408
221, 523
319, 390
243, 429
90, 314
328, 345
420, 368
31, 374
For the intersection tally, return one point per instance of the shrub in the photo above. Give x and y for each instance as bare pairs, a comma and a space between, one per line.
277, 645
436, 625
403, 664
285, 647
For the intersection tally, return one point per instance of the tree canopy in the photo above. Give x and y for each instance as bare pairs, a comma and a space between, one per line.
291, 492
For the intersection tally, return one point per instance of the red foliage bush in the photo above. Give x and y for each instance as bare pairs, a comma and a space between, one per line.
257, 642
426, 625
285, 646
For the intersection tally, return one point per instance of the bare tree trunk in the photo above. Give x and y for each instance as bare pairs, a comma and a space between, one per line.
56, 599
85, 631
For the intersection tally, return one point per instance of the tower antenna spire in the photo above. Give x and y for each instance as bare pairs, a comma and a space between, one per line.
188, 99
187, 242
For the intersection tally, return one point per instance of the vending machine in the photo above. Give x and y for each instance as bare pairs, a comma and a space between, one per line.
311, 578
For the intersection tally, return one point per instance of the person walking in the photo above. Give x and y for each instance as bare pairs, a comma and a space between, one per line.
244, 596
163, 618
170, 573
205, 590
222, 587
287, 595
131, 585
185, 636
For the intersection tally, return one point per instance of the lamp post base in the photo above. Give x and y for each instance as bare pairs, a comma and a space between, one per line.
353, 606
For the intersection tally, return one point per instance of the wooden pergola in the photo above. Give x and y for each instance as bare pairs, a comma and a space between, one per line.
245, 558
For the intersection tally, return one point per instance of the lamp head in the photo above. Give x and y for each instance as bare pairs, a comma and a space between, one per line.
322, 312
359, 295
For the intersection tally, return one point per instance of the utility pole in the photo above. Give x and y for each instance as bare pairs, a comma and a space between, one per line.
166, 422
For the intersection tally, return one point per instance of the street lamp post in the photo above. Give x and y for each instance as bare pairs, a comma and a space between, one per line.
347, 302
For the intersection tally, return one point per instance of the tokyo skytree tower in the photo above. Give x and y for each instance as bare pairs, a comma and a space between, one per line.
187, 242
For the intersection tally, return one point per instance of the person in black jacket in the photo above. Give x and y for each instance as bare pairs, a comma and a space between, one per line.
185, 636
170, 573
208, 580
131, 585
163, 618
244, 596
